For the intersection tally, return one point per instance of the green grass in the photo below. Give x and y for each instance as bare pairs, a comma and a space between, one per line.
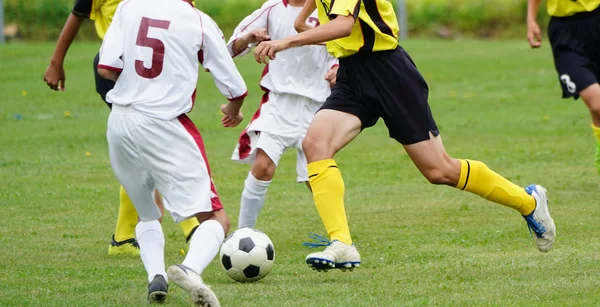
421, 245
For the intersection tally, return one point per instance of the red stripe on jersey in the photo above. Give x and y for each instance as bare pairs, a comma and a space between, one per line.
244, 141
255, 19
115, 69
193, 131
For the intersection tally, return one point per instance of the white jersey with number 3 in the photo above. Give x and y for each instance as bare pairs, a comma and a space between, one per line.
157, 48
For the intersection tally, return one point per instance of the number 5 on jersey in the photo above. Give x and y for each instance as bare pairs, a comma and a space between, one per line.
158, 48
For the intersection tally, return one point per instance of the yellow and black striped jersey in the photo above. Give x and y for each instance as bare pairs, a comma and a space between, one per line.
375, 28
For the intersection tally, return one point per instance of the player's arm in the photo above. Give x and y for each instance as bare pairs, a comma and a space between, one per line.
55, 73
250, 31
331, 75
218, 62
110, 64
300, 24
344, 13
534, 35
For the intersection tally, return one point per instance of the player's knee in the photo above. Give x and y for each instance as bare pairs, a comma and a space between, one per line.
316, 148
441, 174
263, 169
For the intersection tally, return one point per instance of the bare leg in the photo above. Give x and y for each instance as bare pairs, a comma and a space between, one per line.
255, 189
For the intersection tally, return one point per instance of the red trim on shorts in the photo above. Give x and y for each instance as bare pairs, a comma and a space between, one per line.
245, 147
193, 131
111, 68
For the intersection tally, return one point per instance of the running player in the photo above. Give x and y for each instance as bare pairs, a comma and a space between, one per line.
152, 50
574, 33
377, 78
294, 88
101, 12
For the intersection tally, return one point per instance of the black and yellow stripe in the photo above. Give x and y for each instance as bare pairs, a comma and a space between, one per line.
376, 28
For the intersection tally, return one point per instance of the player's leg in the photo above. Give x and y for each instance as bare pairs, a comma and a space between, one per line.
329, 132
591, 97
473, 176
269, 149
576, 51
408, 117
187, 192
128, 168
123, 240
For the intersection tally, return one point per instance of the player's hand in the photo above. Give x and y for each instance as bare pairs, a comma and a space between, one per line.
331, 75
534, 35
268, 49
258, 35
55, 77
231, 117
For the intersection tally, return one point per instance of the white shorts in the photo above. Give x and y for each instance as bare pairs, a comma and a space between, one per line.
148, 153
280, 123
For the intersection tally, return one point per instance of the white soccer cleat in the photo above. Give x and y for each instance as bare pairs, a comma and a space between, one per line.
193, 284
539, 221
337, 255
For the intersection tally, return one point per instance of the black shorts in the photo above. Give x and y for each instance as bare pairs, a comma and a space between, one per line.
575, 44
384, 84
102, 85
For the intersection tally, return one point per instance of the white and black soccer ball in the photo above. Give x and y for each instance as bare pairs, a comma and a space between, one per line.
247, 255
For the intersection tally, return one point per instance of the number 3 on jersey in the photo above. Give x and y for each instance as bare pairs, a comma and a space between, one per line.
158, 48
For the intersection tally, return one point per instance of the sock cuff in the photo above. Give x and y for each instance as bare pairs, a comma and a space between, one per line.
254, 181
211, 226
255, 187
143, 227
319, 168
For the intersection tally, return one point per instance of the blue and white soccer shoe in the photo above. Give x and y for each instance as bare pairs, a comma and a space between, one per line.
539, 221
337, 255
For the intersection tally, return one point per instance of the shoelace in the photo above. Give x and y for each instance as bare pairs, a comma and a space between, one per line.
534, 226
322, 241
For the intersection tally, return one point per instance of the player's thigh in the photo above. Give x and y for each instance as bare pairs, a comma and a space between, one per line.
128, 167
272, 147
180, 171
591, 97
329, 132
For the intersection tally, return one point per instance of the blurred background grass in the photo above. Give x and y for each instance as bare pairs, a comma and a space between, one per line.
43, 20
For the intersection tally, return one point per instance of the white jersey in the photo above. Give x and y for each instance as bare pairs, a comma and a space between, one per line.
298, 71
157, 45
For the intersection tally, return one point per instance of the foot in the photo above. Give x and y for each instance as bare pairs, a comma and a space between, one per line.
126, 247
192, 283
597, 158
539, 221
337, 255
158, 289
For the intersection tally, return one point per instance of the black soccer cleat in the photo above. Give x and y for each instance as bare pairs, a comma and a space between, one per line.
158, 289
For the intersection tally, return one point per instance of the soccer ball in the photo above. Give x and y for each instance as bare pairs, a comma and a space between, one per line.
247, 255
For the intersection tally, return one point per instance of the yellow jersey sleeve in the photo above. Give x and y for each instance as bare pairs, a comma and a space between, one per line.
345, 8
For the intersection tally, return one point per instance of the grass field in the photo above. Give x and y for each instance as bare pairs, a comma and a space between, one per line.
421, 245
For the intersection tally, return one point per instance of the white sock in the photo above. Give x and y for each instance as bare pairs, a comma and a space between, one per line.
253, 199
204, 245
151, 239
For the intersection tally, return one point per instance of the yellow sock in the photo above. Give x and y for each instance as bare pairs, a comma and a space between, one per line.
328, 193
477, 178
127, 218
596, 133
188, 226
